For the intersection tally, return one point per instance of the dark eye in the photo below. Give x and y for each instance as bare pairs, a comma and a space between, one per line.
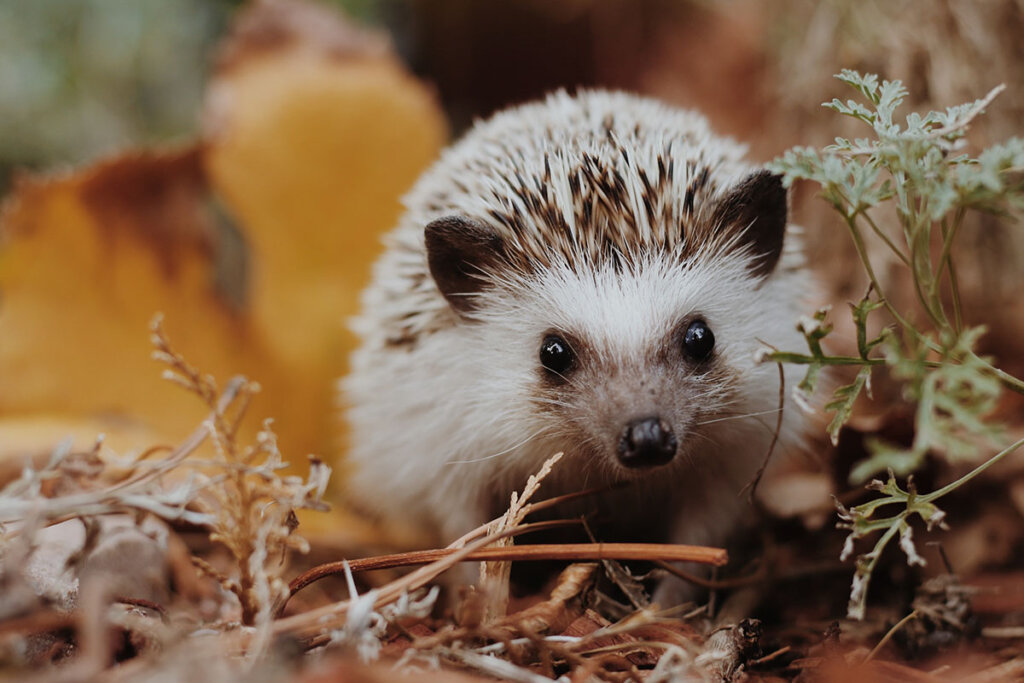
699, 340
555, 354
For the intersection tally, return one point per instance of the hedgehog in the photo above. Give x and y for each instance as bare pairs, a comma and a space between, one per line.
592, 274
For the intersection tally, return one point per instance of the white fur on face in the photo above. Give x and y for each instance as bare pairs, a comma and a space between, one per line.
628, 324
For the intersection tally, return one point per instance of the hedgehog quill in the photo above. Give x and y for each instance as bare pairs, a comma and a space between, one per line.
591, 274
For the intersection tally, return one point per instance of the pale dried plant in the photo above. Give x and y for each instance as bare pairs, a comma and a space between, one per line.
250, 506
239, 494
79, 490
495, 576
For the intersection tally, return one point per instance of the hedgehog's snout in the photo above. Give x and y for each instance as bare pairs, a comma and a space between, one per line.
647, 442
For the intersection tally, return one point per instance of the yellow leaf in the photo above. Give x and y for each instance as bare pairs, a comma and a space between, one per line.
87, 260
313, 132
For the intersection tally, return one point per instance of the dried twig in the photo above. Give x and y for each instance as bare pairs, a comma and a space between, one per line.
249, 505
753, 483
582, 552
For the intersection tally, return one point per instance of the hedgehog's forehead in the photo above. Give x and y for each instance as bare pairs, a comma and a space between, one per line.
594, 196
576, 188
625, 309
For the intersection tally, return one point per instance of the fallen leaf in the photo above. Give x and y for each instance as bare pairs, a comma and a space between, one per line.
87, 259
313, 132
562, 608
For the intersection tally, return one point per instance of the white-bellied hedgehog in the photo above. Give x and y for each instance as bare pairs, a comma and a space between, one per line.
592, 274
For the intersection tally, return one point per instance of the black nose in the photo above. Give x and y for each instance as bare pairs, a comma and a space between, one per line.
647, 442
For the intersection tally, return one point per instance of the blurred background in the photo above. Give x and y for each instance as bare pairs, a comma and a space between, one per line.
81, 79
84, 80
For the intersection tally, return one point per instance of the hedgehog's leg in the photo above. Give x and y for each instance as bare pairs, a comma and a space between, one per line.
697, 523
461, 519
672, 590
729, 626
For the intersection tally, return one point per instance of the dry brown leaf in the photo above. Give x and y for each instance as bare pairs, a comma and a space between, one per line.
563, 607
87, 259
585, 624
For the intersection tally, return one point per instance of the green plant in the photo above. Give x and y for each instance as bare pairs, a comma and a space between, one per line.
913, 175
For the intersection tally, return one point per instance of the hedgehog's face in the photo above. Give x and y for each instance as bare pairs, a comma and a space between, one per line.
626, 362
630, 369
628, 409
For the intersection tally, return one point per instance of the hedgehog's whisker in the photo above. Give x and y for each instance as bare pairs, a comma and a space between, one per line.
738, 417
550, 401
500, 453
713, 442
569, 379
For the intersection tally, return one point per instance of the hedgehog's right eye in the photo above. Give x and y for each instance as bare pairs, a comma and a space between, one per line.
699, 340
556, 355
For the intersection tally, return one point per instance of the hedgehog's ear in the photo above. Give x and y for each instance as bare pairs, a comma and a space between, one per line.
460, 252
757, 208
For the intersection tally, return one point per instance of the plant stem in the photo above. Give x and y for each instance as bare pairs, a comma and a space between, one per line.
885, 238
556, 551
954, 291
869, 569
858, 243
921, 267
948, 233
935, 495
888, 636
802, 359
946, 261
1008, 380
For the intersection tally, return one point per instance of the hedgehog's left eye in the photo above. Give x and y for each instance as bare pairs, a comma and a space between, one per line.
699, 340
556, 355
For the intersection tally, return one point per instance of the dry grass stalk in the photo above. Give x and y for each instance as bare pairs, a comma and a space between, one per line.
495, 575
250, 506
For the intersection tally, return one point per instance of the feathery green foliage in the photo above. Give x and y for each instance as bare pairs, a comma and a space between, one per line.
914, 175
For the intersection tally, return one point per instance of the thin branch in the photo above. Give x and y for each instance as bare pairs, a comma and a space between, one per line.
935, 495
563, 551
804, 359
885, 238
775, 436
888, 636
